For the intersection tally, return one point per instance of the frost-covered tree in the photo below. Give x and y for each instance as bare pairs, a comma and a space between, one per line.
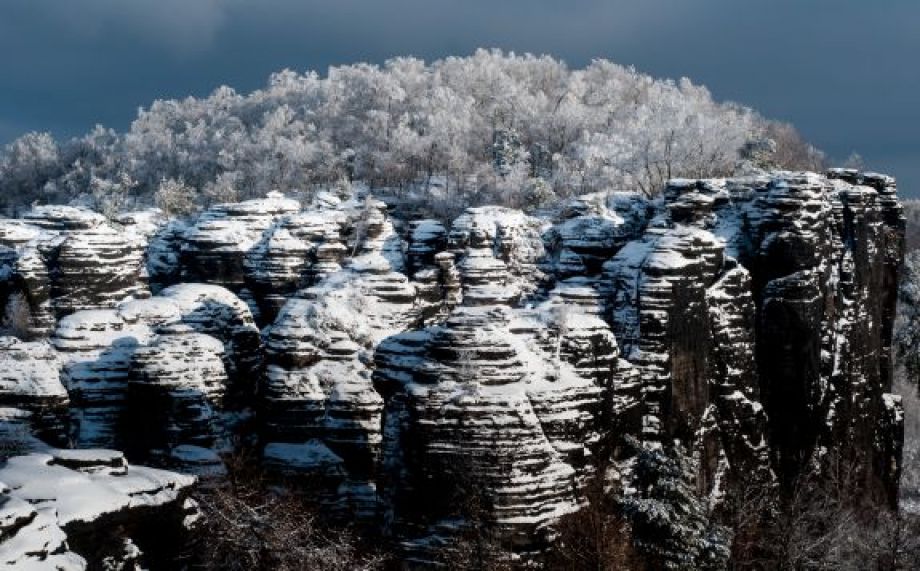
669, 521
225, 188
17, 317
111, 196
490, 127
175, 197
908, 326
27, 165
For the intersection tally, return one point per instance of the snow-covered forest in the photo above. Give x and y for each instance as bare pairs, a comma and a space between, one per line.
494, 127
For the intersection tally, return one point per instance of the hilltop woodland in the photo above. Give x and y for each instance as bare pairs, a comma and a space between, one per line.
491, 128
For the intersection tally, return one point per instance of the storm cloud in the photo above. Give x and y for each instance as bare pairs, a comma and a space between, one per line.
843, 71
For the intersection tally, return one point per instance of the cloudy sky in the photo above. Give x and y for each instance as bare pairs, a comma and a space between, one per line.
846, 72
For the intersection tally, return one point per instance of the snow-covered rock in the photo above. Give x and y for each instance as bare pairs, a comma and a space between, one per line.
512, 237
216, 311
30, 379
57, 504
64, 259
96, 347
494, 403
215, 249
176, 393
763, 307
319, 349
412, 368
286, 258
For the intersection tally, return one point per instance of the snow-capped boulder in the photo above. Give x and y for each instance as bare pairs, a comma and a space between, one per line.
32, 537
57, 504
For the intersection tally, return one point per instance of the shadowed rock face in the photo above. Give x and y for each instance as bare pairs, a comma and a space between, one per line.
175, 398
96, 347
214, 249
681, 307
777, 290
426, 377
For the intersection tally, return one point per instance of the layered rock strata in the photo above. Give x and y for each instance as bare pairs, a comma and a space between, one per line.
318, 355
433, 378
30, 379
175, 398
494, 405
757, 290
64, 259
96, 349
78, 509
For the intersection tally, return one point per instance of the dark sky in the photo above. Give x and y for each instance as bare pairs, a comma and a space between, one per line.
846, 72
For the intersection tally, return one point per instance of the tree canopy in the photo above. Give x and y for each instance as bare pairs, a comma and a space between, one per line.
491, 127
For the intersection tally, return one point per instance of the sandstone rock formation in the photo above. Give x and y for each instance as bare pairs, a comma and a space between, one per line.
66, 259
30, 379
176, 393
319, 351
96, 348
215, 249
80, 509
495, 404
426, 378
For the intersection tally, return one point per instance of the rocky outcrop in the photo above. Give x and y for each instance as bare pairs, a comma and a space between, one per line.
825, 284
95, 265
430, 378
97, 347
30, 379
78, 509
215, 311
176, 391
495, 405
164, 251
591, 229
747, 292
215, 249
507, 235
68, 259
318, 354
281, 263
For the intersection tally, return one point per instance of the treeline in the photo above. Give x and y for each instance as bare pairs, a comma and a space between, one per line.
491, 127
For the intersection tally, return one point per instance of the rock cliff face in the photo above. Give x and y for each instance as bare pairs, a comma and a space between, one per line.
319, 353
65, 259
176, 389
428, 378
30, 379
